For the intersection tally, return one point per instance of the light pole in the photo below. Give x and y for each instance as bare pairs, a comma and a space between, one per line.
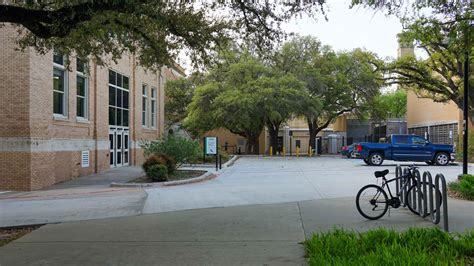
466, 114
465, 141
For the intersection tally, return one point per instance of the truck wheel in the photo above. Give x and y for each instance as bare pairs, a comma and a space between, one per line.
376, 159
442, 159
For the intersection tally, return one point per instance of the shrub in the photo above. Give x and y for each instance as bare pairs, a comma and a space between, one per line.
150, 161
158, 173
225, 156
470, 148
168, 162
179, 149
465, 186
160, 159
212, 158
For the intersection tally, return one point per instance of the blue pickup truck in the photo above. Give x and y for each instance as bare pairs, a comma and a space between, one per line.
405, 148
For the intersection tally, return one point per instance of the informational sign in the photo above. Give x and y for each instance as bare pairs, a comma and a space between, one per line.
211, 145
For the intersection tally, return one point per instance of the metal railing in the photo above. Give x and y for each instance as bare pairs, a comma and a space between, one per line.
432, 205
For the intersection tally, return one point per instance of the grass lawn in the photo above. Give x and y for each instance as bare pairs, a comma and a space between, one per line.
417, 246
177, 175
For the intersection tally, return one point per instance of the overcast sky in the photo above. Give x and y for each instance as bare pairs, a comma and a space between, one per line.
347, 29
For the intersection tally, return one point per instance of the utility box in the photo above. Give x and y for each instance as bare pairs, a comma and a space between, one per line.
333, 144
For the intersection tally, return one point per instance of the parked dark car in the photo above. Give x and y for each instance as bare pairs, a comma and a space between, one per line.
405, 148
348, 151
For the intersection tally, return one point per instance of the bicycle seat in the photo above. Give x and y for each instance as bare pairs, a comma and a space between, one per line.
381, 173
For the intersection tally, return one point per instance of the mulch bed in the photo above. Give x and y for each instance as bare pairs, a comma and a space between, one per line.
456, 195
178, 175
8, 235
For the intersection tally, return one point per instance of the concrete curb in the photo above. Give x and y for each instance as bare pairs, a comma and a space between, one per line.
205, 176
231, 162
142, 185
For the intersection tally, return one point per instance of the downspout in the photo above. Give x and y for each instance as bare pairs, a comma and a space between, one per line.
160, 88
134, 128
95, 135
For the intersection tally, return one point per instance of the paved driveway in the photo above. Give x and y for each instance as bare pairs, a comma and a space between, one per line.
251, 180
265, 180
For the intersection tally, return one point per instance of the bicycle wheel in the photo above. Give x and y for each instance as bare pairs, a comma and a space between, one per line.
372, 202
412, 199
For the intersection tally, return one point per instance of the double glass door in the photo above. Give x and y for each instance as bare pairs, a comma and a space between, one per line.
119, 138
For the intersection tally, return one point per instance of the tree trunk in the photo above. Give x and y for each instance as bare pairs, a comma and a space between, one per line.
252, 146
273, 129
312, 126
314, 129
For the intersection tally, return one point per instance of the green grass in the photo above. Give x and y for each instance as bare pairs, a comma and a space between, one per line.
417, 246
464, 187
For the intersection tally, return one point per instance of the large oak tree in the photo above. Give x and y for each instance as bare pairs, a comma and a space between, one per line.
335, 83
445, 32
155, 30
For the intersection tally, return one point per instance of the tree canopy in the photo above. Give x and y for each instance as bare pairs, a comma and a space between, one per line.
155, 30
179, 94
445, 34
230, 100
389, 105
335, 83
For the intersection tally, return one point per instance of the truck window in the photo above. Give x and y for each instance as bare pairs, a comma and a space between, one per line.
418, 140
402, 139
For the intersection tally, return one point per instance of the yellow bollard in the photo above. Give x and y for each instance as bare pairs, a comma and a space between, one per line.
297, 151
310, 152
271, 151
283, 151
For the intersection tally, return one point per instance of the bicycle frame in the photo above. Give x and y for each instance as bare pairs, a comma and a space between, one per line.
407, 178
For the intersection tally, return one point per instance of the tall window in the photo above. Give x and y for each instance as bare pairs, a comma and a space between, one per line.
144, 105
118, 99
153, 107
59, 85
82, 94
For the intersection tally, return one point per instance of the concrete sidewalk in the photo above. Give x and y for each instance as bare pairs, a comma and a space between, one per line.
249, 235
118, 175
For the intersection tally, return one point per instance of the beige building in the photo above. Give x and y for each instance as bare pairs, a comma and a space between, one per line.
59, 123
294, 133
438, 122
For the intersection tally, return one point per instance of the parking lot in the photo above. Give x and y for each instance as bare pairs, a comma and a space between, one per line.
264, 180
251, 180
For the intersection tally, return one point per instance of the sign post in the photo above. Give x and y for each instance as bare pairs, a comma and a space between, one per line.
211, 145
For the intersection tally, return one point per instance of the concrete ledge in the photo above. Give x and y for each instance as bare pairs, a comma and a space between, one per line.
115, 184
205, 176
231, 162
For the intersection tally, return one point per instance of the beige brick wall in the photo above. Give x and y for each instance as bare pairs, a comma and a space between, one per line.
422, 111
17, 177
14, 83
40, 150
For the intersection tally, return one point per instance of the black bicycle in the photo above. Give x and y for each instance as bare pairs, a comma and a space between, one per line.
372, 200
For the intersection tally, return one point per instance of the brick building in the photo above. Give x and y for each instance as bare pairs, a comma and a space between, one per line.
58, 123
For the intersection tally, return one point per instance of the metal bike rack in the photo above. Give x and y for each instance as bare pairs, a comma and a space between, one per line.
425, 186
